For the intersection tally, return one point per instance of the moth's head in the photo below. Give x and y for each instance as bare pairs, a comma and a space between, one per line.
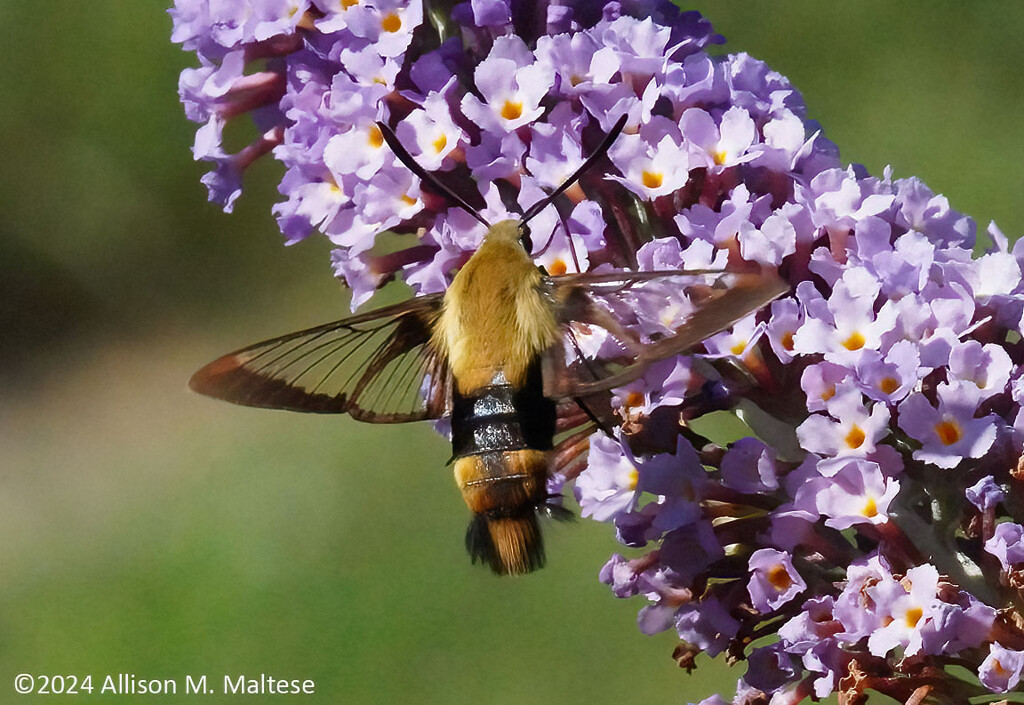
509, 231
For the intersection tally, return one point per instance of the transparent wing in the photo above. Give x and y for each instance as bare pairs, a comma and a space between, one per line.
377, 367
618, 323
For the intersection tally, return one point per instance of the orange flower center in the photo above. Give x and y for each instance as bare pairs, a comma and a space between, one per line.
634, 399
856, 437
633, 478
652, 179
870, 509
855, 341
391, 22
949, 432
779, 578
375, 137
888, 385
511, 110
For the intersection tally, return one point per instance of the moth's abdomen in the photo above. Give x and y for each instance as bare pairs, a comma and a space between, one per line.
499, 417
501, 438
500, 483
504, 490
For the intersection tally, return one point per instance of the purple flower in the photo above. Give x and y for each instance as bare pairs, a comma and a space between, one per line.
1007, 544
890, 377
985, 494
512, 83
905, 607
608, 487
811, 635
749, 466
666, 383
708, 626
722, 144
823, 382
896, 355
689, 550
773, 580
618, 573
987, 367
1000, 671
846, 323
654, 162
921, 210
713, 700
855, 607
491, 13
856, 431
770, 669
949, 433
855, 493
952, 628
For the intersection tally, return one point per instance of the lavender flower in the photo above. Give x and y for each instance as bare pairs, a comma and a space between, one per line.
774, 580
1000, 671
871, 530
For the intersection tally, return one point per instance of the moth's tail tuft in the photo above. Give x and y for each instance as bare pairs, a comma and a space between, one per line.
511, 545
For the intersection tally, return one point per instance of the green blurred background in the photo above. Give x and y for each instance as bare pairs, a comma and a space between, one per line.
147, 530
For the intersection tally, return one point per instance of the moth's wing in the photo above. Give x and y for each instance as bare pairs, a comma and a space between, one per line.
377, 367
641, 317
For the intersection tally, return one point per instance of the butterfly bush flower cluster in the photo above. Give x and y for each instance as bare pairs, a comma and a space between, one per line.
868, 535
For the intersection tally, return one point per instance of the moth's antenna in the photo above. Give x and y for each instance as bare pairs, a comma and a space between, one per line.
572, 248
551, 238
597, 154
568, 237
403, 156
